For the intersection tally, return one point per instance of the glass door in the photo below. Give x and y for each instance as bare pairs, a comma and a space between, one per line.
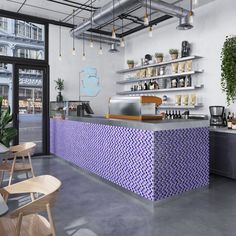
31, 106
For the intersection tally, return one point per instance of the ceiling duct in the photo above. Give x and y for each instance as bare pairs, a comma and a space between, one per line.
104, 14
172, 10
98, 38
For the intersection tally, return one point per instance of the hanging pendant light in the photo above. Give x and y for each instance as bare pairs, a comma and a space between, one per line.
84, 56
113, 35
122, 41
145, 20
60, 56
73, 50
91, 36
191, 14
150, 15
100, 52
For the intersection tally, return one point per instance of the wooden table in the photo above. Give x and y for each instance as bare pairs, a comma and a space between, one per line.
3, 205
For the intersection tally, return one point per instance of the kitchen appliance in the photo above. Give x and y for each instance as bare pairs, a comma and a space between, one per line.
217, 113
83, 107
185, 52
134, 108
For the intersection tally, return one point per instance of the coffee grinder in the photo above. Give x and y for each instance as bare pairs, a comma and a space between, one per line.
217, 115
185, 51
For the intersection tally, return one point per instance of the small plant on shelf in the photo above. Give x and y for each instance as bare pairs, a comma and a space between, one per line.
228, 69
130, 63
174, 53
59, 87
159, 57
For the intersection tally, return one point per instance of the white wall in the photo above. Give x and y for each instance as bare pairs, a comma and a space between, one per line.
212, 23
70, 66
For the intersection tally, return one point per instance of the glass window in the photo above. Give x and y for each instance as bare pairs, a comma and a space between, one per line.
19, 32
3, 50
3, 23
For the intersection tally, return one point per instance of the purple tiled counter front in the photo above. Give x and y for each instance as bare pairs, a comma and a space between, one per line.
153, 164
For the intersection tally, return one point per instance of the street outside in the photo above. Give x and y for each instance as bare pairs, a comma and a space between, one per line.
30, 129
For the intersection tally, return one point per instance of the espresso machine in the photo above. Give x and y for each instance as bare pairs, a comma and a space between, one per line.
217, 115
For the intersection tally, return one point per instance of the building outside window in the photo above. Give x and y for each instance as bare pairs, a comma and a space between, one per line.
3, 24
3, 50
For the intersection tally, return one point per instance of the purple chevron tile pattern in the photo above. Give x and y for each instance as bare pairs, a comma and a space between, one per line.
154, 165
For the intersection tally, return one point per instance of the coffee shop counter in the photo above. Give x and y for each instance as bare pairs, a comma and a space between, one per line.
154, 159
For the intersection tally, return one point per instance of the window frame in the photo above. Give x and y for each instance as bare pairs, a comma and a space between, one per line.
14, 59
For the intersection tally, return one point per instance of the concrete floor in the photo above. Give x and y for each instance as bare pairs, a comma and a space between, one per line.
87, 206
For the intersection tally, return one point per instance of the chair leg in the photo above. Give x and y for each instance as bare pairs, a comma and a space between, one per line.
31, 166
12, 171
2, 177
51, 220
18, 225
32, 197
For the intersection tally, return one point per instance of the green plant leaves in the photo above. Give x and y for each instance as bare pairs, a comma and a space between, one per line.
7, 133
228, 69
59, 84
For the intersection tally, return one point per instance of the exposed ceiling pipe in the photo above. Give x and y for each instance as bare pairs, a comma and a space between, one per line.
172, 10
104, 14
98, 38
167, 8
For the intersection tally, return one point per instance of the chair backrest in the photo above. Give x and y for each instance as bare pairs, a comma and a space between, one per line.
23, 149
45, 184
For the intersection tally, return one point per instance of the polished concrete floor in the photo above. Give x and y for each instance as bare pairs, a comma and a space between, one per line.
86, 206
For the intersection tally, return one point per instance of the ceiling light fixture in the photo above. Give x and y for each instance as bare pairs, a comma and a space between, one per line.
73, 50
83, 57
113, 35
191, 14
91, 36
122, 42
150, 16
186, 21
60, 56
145, 20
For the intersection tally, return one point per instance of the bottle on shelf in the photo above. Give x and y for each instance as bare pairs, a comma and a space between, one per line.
173, 115
176, 115
188, 81
145, 86
169, 115
166, 115
150, 85
155, 85
179, 115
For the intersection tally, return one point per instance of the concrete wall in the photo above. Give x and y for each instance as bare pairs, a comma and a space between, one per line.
70, 67
212, 23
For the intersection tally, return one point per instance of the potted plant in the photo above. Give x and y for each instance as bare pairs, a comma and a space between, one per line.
7, 133
59, 86
159, 57
130, 63
228, 69
174, 53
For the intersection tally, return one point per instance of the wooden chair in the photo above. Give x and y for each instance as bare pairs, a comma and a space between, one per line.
22, 151
25, 220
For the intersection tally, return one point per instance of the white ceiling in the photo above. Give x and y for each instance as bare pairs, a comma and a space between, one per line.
55, 11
